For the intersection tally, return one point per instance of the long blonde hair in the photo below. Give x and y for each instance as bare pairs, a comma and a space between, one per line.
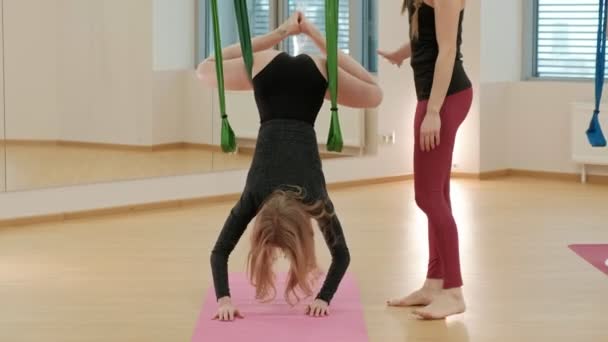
284, 224
414, 23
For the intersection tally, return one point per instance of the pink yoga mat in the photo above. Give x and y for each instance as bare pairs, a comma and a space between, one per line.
277, 321
596, 255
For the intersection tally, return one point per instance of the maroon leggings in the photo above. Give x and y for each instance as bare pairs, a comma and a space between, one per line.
432, 184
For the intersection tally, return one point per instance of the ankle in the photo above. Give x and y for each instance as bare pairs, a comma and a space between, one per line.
455, 293
433, 284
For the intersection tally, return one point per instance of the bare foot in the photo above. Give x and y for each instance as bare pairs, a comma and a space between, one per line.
446, 303
424, 296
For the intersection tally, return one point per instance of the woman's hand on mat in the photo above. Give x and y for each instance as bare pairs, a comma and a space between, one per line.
291, 27
430, 131
393, 57
318, 308
227, 311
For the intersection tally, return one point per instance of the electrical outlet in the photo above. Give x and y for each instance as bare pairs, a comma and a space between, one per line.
455, 166
387, 139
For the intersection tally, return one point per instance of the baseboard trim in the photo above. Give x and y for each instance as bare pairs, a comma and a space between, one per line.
172, 204
118, 210
245, 146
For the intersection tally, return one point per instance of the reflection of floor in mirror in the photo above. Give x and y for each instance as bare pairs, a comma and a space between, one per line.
143, 277
31, 166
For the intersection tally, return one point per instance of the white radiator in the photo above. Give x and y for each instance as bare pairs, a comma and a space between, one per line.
582, 152
244, 119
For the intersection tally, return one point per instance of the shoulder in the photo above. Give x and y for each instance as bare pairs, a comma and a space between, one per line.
321, 63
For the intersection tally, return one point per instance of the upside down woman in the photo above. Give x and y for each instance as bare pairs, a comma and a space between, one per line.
285, 188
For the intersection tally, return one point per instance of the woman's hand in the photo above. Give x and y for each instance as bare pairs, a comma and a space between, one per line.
313, 32
307, 27
430, 130
291, 27
226, 311
318, 308
395, 57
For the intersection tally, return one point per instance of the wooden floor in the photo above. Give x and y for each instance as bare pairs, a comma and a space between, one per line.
142, 277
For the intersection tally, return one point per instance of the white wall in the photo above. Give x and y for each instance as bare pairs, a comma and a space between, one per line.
524, 124
2, 145
82, 70
493, 131
1, 95
467, 149
540, 124
198, 112
30, 68
501, 33
500, 65
103, 90
174, 34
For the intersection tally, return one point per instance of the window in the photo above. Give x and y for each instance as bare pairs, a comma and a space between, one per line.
565, 38
314, 10
356, 22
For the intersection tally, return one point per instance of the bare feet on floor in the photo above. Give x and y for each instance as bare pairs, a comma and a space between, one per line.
424, 296
446, 303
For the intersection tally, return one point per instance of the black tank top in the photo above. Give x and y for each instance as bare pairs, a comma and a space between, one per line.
290, 88
425, 51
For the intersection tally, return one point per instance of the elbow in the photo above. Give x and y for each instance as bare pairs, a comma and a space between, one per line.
447, 53
342, 256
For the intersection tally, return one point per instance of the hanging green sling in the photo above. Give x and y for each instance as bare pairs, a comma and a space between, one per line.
334, 140
228, 139
242, 20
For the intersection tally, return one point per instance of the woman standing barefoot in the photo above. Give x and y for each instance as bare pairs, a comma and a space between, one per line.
444, 99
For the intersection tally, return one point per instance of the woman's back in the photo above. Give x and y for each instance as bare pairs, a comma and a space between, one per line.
290, 88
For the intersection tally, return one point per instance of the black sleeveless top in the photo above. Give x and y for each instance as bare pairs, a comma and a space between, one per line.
425, 51
290, 88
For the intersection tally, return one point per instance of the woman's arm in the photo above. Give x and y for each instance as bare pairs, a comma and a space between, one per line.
231, 233
357, 87
398, 56
235, 74
447, 14
340, 257
345, 62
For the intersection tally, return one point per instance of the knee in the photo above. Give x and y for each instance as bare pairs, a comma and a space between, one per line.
428, 200
422, 202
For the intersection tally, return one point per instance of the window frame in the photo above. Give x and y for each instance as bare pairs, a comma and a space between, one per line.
360, 36
530, 50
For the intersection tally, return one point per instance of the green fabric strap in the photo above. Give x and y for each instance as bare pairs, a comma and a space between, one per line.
334, 140
242, 20
228, 139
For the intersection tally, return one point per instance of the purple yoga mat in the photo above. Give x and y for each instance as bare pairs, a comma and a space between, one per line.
277, 321
596, 255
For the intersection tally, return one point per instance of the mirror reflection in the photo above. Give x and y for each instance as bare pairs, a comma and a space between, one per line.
105, 90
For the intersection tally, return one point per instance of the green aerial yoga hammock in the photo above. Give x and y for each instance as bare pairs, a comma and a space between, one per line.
334, 140
228, 139
242, 20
